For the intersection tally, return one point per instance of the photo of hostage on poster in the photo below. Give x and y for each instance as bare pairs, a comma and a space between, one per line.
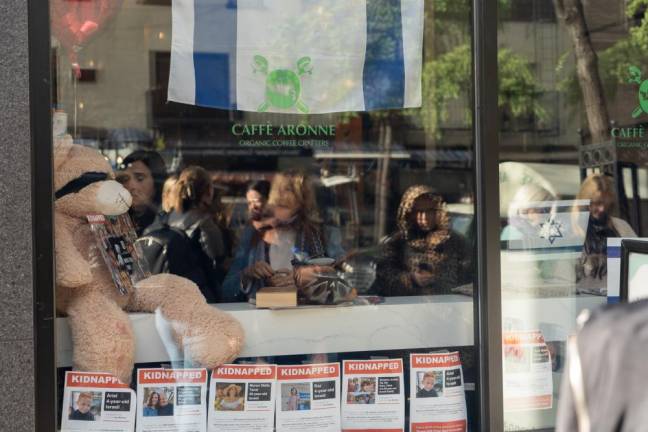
528, 379
437, 397
97, 402
373, 396
242, 398
309, 398
171, 400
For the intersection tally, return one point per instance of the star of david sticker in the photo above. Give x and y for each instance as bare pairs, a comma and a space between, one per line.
550, 230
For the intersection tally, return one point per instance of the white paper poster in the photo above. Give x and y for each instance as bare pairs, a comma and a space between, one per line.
373, 398
97, 402
308, 398
171, 400
528, 381
437, 398
242, 398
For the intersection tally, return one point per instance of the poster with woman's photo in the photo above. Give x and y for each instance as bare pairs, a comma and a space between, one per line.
437, 397
171, 400
242, 398
373, 396
309, 398
97, 402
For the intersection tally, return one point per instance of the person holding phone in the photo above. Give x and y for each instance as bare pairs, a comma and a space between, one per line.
424, 256
284, 249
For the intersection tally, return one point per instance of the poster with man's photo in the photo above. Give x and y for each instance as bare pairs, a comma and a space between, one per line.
309, 398
373, 396
97, 402
171, 400
242, 398
437, 397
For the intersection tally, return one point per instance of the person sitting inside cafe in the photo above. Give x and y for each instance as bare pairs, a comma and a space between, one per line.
292, 231
424, 256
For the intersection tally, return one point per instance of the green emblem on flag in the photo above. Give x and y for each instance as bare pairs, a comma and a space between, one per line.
635, 77
283, 86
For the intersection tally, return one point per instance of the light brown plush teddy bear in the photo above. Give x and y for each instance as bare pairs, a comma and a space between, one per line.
101, 330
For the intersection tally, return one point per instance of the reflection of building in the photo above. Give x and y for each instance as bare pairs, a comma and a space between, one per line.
130, 62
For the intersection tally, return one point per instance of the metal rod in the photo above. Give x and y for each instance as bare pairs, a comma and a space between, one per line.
487, 293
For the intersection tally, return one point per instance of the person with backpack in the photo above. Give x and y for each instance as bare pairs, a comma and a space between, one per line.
187, 241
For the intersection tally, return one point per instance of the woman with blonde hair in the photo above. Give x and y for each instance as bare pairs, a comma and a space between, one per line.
591, 270
168, 191
278, 252
191, 202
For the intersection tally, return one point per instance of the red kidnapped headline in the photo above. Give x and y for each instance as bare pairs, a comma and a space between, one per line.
373, 367
88, 379
155, 376
267, 372
327, 370
435, 360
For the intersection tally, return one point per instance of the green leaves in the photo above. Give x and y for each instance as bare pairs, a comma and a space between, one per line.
449, 77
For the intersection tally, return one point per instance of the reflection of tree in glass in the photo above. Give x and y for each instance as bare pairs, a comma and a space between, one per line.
614, 63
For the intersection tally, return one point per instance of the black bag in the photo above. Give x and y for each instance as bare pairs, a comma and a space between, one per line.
170, 250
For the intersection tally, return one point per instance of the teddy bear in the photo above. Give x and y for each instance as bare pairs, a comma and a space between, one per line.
102, 335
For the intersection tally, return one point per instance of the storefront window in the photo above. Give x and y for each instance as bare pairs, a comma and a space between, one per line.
305, 167
572, 181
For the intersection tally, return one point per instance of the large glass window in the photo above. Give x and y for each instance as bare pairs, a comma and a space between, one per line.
572, 180
308, 165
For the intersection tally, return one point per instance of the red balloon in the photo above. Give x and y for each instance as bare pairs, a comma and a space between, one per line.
75, 21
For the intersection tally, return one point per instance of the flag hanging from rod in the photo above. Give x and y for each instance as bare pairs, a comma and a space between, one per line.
297, 56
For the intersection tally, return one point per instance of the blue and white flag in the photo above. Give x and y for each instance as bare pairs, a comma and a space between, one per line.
549, 227
297, 56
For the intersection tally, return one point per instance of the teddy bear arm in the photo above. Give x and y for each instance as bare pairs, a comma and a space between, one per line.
72, 269
207, 336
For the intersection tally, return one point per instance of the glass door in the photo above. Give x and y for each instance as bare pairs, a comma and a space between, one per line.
572, 181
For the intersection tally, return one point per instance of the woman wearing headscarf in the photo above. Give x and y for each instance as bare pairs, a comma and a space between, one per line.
424, 256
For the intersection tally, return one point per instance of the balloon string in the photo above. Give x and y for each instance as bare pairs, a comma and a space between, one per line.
74, 86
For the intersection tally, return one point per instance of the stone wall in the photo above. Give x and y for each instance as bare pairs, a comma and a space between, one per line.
16, 290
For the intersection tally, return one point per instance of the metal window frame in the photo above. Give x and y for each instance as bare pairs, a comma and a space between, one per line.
487, 295
42, 192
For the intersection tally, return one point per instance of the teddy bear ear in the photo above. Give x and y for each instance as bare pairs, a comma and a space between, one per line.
62, 148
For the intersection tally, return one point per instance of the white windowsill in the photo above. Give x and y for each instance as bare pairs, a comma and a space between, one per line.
399, 323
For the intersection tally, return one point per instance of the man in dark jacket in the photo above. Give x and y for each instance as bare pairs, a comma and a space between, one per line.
603, 388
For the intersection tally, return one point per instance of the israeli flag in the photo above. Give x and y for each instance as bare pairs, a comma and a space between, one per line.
297, 56
549, 227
